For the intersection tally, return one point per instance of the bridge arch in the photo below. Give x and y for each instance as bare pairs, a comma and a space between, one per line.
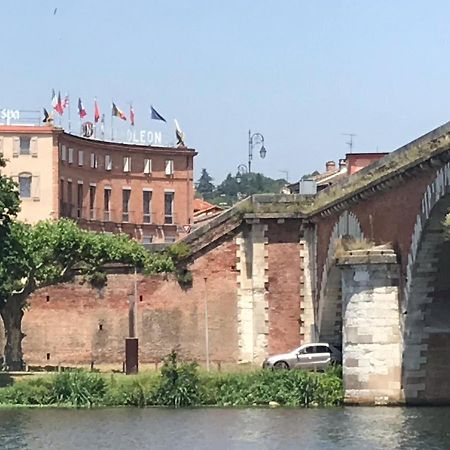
426, 300
329, 307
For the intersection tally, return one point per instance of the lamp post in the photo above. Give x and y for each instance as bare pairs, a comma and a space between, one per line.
255, 139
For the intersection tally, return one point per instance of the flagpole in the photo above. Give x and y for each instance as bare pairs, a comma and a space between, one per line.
112, 122
95, 123
68, 114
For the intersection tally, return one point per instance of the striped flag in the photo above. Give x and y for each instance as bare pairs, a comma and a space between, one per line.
116, 112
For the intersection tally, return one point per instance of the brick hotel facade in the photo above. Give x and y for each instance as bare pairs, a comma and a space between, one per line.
144, 191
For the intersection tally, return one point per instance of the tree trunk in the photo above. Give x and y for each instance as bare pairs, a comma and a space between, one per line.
12, 314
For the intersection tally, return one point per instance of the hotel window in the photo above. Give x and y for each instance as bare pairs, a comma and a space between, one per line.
69, 198
169, 167
169, 239
93, 161
126, 194
25, 145
168, 207
25, 185
92, 201
70, 158
61, 199
80, 157
107, 204
80, 200
63, 153
108, 162
127, 163
147, 205
147, 166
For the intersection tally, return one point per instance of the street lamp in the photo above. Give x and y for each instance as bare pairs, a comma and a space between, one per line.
255, 139
241, 170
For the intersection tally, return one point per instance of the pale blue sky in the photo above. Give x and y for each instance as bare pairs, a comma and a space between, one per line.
300, 72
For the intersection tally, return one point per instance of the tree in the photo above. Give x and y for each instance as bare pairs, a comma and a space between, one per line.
205, 187
9, 201
33, 257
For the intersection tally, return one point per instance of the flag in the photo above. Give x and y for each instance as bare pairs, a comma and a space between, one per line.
66, 102
102, 126
81, 111
96, 112
47, 117
54, 99
132, 115
179, 134
155, 115
58, 107
116, 112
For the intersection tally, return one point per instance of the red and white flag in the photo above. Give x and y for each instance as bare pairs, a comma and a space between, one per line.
96, 111
66, 102
57, 104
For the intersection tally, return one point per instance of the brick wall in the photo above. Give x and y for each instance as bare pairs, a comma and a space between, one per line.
75, 324
284, 286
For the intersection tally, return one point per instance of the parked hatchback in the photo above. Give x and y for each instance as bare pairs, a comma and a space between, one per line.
314, 356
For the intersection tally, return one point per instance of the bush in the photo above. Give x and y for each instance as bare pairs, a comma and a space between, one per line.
178, 385
78, 388
27, 392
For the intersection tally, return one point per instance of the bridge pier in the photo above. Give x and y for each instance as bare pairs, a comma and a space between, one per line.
371, 343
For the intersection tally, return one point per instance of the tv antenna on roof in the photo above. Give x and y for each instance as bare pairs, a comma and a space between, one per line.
350, 142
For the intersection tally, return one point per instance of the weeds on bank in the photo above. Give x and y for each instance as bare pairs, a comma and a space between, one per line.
179, 385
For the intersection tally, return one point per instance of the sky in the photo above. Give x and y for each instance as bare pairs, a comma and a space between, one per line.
302, 73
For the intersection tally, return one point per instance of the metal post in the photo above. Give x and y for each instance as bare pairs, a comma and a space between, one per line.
132, 343
206, 326
250, 153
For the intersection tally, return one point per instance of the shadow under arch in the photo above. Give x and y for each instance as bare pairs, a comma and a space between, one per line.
329, 306
426, 334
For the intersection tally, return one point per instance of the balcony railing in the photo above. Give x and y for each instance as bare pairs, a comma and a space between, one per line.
114, 215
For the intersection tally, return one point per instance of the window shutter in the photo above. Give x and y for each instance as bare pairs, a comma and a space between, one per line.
34, 147
93, 161
63, 153
35, 187
80, 157
70, 155
108, 162
126, 163
147, 166
169, 167
16, 146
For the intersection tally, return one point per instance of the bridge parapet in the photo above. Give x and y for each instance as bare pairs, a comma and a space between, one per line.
371, 328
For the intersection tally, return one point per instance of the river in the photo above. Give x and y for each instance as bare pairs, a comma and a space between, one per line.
127, 428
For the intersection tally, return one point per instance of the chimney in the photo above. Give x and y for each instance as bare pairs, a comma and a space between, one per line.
342, 163
330, 166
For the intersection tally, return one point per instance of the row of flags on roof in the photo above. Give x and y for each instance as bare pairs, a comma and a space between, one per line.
60, 105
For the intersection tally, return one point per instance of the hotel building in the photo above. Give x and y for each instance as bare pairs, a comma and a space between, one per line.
144, 191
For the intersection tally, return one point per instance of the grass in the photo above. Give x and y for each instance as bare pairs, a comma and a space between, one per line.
177, 385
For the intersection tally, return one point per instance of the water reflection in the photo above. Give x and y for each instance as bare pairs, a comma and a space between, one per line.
324, 429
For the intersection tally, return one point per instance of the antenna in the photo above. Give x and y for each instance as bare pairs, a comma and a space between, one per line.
350, 142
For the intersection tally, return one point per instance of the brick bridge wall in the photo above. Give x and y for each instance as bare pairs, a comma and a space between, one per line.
387, 216
75, 324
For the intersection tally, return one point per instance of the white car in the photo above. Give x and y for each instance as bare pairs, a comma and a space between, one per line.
314, 356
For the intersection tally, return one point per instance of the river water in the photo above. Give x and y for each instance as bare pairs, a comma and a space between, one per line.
127, 428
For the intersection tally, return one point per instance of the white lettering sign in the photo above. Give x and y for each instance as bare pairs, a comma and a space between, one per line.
9, 114
144, 137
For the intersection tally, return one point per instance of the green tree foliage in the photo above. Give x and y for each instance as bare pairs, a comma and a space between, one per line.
9, 201
235, 188
47, 253
205, 187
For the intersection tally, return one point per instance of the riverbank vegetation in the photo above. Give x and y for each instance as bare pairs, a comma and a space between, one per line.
179, 385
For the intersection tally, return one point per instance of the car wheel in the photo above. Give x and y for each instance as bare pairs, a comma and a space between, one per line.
281, 365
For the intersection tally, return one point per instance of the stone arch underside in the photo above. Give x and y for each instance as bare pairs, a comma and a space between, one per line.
426, 337
329, 308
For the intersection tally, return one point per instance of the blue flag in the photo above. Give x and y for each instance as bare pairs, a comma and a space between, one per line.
156, 115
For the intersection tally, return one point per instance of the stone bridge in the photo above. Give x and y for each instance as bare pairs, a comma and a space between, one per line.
363, 265
386, 304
